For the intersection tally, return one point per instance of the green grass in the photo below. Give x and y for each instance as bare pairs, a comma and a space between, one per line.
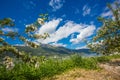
103, 59
51, 67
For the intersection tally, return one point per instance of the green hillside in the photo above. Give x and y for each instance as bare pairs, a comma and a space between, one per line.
48, 50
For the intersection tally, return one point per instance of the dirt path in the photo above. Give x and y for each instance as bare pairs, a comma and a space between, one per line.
109, 71
112, 67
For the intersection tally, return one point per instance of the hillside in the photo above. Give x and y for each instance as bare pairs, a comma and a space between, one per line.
49, 50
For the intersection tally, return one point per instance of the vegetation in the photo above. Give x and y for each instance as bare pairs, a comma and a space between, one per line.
26, 37
107, 40
51, 67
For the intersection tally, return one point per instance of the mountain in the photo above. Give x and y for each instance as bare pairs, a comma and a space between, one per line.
48, 50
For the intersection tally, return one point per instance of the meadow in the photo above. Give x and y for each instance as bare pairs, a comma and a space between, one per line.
51, 67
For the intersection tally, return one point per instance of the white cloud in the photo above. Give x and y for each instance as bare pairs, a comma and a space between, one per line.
86, 10
58, 44
106, 14
64, 31
56, 4
49, 27
9, 29
84, 33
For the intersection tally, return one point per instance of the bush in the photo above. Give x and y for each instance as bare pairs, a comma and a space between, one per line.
51, 67
87, 63
103, 59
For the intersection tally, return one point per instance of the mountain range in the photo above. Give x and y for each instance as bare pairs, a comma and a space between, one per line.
49, 50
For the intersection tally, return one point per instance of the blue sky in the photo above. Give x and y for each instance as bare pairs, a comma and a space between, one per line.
70, 22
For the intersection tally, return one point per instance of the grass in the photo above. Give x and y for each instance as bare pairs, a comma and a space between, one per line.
51, 67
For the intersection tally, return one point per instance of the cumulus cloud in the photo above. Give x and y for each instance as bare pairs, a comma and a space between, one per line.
56, 4
65, 31
84, 33
50, 26
86, 10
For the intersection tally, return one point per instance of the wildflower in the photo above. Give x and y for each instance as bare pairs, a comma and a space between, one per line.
40, 21
8, 63
37, 64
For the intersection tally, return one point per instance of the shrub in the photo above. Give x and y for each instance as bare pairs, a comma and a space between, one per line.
51, 67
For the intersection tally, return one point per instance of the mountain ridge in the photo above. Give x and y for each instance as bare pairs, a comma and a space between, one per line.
49, 50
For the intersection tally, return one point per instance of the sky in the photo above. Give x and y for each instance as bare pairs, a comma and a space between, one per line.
69, 24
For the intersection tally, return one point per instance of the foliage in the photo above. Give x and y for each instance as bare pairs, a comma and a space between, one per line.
48, 68
87, 63
51, 67
107, 40
28, 37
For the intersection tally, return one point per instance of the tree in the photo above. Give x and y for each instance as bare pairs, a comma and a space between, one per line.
107, 39
28, 37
